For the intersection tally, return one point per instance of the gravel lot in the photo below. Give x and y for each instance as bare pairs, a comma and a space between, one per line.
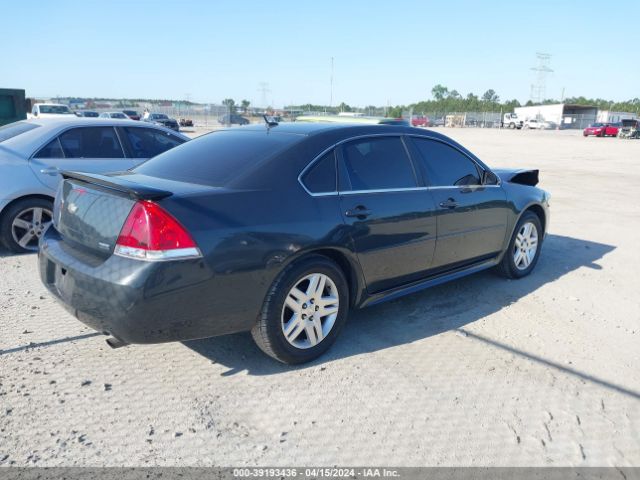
481, 371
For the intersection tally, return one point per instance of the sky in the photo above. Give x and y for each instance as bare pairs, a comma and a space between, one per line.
387, 52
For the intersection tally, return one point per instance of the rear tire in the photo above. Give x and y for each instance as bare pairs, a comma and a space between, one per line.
291, 305
519, 261
25, 222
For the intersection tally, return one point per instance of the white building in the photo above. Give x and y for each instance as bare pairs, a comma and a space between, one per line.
607, 116
562, 114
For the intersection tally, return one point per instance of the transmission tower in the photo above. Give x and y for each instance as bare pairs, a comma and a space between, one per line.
539, 88
263, 88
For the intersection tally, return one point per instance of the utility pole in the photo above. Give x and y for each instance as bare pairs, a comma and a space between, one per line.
187, 96
331, 85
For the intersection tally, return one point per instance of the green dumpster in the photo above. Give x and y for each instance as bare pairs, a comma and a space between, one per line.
12, 105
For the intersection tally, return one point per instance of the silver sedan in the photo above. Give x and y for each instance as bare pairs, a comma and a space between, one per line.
34, 152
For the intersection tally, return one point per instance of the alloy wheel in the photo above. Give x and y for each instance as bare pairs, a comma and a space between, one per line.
525, 246
29, 225
310, 310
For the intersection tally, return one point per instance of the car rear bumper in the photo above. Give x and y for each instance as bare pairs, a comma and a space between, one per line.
134, 301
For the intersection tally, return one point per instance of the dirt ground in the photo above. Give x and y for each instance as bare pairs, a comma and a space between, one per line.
481, 371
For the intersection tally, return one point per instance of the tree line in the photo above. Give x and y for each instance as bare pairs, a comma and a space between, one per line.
446, 101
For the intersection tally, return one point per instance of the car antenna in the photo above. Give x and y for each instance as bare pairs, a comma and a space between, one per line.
270, 121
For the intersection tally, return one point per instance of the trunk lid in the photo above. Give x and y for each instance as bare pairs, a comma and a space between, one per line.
90, 210
90, 216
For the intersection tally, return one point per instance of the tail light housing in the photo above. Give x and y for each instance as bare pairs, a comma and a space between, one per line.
151, 233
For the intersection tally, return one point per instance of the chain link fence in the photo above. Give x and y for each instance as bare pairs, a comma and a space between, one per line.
212, 115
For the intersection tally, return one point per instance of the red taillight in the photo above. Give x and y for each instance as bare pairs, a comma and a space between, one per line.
150, 233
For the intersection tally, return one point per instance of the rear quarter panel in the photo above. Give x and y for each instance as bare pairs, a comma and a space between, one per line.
248, 237
17, 179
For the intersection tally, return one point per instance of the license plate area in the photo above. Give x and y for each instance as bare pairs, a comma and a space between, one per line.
62, 281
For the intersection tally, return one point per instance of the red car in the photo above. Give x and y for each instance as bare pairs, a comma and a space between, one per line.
420, 121
602, 130
132, 114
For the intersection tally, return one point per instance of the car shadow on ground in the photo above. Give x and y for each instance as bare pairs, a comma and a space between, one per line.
6, 253
439, 309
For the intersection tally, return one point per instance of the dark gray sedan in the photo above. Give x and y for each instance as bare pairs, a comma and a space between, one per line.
280, 230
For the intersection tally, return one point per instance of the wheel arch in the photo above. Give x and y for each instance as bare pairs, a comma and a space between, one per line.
539, 211
347, 264
24, 197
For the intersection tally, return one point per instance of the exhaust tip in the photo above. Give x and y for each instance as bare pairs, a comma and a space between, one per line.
114, 342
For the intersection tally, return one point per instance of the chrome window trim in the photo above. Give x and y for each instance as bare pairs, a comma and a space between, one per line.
482, 167
392, 190
383, 190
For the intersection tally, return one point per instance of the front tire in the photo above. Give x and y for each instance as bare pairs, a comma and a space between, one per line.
524, 247
303, 312
24, 222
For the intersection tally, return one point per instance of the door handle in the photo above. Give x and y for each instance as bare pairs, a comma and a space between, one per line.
360, 212
449, 203
50, 171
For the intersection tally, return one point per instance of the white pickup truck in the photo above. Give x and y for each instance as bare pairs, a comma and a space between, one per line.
511, 120
46, 110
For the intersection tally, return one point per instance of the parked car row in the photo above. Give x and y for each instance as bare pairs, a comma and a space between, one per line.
33, 153
54, 110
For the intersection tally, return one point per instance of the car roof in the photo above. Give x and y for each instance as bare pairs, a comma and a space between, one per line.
313, 128
327, 134
25, 143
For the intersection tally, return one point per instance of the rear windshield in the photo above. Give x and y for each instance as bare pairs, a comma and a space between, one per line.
15, 129
54, 109
218, 158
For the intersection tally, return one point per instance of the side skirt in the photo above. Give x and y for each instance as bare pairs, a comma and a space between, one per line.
398, 292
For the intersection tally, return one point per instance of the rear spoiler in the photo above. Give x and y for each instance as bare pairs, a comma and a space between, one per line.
115, 181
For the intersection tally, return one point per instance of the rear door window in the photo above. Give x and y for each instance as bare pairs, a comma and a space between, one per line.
378, 163
91, 142
149, 142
